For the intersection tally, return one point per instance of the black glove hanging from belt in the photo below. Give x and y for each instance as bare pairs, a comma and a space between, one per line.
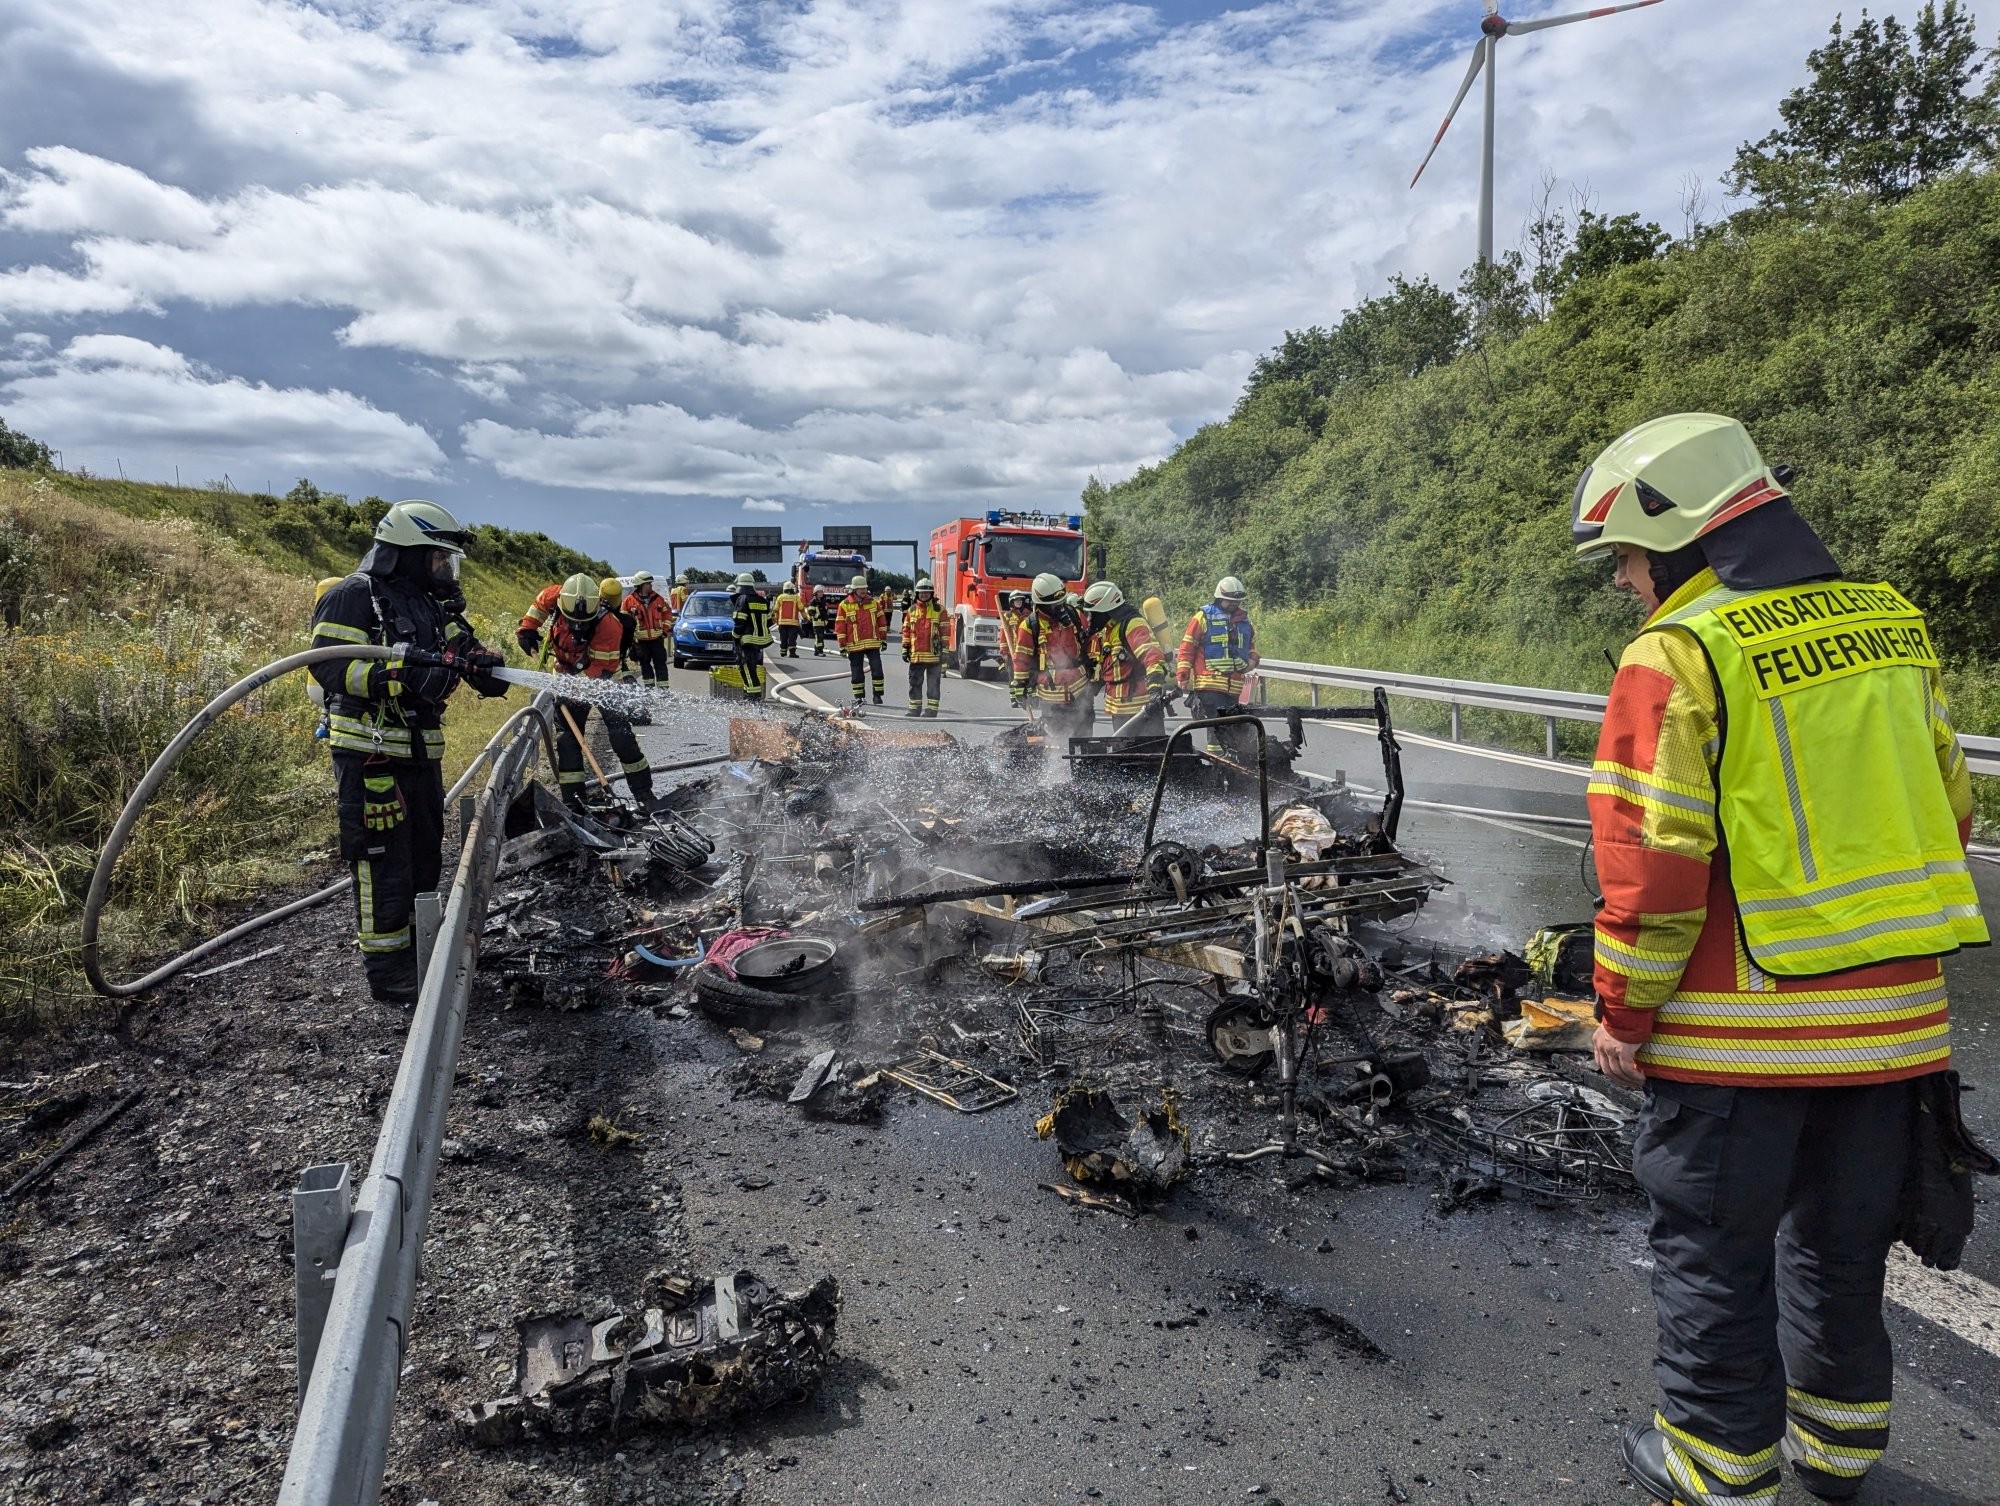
1935, 1218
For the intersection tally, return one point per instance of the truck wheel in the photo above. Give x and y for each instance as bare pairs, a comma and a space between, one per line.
966, 665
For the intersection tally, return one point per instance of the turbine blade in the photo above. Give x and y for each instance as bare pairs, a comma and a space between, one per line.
1471, 73
1517, 28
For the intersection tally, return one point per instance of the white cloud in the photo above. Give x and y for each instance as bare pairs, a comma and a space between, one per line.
112, 398
857, 251
762, 504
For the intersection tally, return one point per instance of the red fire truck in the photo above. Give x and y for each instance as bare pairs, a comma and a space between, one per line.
825, 571
975, 560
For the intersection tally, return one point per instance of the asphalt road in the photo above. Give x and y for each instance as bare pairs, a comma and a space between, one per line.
997, 1346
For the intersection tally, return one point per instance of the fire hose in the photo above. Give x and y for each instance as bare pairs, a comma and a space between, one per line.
156, 775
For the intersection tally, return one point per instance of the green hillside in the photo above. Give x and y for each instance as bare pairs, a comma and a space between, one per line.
123, 609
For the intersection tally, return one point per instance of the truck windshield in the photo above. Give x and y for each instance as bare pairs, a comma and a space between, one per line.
1030, 554
831, 573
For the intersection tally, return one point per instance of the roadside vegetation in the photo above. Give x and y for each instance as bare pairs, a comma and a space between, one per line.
1395, 489
124, 608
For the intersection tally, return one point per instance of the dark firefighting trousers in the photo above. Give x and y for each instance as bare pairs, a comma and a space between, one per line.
649, 657
870, 661
788, 640
569, 754
392, 837
819, 631
750, 660
926, 686
1239, 743
1773, 1213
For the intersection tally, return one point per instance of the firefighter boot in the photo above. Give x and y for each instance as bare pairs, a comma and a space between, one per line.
1644, 1448
392, 977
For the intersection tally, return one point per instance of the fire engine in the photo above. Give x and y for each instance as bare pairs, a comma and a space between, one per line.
825, 570
976, 560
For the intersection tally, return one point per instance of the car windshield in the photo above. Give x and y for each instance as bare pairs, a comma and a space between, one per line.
708, 604
1030, 554
831, 573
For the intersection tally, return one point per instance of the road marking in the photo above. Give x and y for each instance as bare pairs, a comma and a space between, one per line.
1960, 1304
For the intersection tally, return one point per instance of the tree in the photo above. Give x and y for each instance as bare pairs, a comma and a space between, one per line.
1888, 109
1607, 241
20, 453
1411, 328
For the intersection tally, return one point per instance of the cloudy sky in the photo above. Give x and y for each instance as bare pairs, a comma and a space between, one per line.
631, 270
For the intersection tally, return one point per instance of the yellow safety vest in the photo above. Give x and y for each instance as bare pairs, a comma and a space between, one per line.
1843, 849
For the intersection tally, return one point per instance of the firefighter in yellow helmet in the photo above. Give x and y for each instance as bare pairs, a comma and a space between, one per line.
385, 722
1780, 808
1052, 662
750, 613
861, 628
652, 621
584, 639
926, 640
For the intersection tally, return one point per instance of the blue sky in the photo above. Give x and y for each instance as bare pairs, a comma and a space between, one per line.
632, 270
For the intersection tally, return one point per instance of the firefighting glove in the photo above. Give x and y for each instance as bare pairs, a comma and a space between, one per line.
411, 678
382, 807
530, 641
1935, 1215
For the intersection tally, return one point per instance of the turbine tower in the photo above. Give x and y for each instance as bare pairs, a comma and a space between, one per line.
1492, 28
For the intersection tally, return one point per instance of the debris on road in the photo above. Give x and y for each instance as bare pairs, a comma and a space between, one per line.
1143, 1155
732, 1346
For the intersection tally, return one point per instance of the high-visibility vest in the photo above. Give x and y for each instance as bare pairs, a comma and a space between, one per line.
678, 598
651, 614
1216, 650
1843, 848
786, 609
926, 633
752, 620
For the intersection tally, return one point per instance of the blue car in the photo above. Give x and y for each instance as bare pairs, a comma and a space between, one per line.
704, 632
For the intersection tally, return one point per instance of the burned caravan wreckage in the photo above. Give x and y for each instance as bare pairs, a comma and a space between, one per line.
1184, 954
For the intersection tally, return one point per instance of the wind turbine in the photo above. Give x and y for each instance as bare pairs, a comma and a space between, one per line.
1492, 28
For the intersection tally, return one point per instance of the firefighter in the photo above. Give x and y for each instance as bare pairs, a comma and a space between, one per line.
861, 627
1780, 808
678, 597
926, 640
785, 613
1013, 607
1130, 666
752, 630
611, 594
653, 618
1051, 662
584, 639
1218, 649
384, 724
819, 617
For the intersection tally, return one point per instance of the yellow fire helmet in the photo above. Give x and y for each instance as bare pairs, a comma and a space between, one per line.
1664, 484
580, 597
612, 589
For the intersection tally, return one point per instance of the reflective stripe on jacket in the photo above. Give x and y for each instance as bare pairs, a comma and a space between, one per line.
859, 624
926, 634
1217, 649
1049, 656
541, 610
1129, 662
1695, 821
752, 620
651, 614
593, 654
785, 610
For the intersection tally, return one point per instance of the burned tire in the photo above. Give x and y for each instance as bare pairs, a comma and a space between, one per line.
730, 1001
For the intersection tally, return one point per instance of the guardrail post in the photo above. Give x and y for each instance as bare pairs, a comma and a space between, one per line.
1314, 687
321, 1205
466, 805
1551, 741
427, 916
1457, 729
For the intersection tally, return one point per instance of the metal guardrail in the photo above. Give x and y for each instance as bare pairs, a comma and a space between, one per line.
1982, 754
357, 1257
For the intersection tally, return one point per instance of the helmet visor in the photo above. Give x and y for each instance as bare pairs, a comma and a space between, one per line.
1586, 535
